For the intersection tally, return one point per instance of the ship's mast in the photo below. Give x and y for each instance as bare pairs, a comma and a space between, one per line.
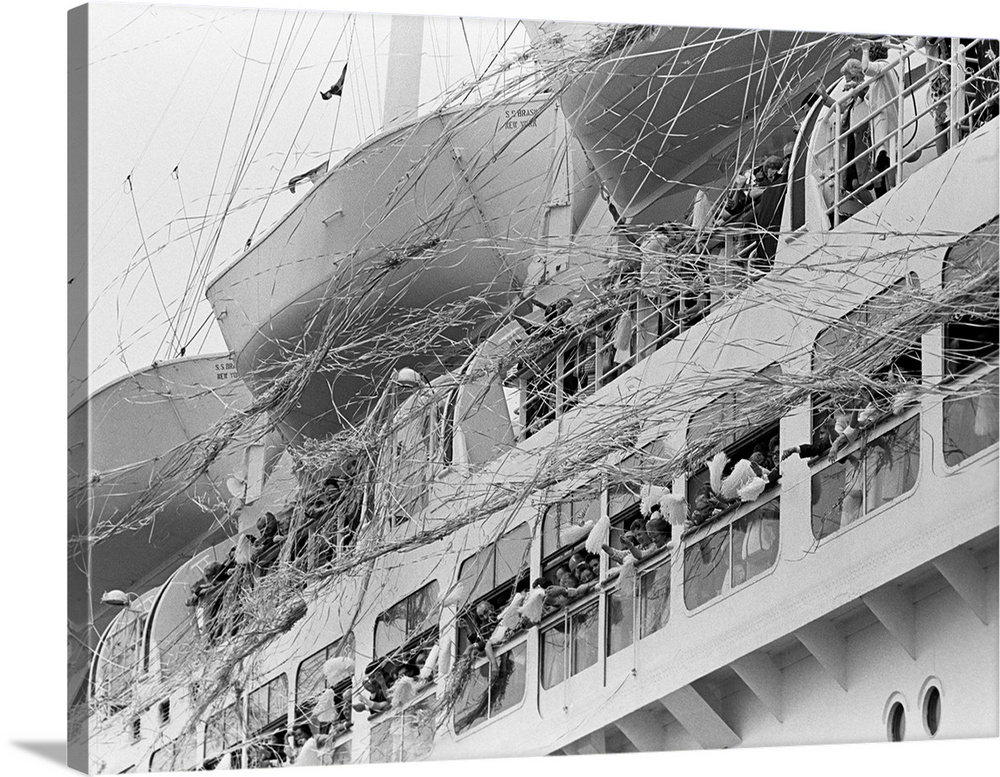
402, 82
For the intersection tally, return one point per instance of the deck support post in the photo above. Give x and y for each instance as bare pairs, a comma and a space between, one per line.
644, 731
822, 639
895, 611
761, 675
963, 573
700, 718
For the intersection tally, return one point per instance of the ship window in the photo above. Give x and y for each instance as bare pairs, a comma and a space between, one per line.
164, 711
562, 658
620, 609
493, 575
120, 660
311, 681
971, 418
222, 735
742, 433
405, 619
897, 722
268, 705
755, 542
577, 368
565, 526
332, 515
654, 599
176, 756
406, 736
553, 651
136, 729
414, 448
490, 691
932, 710
706, 564
874, 475
624, 502
971, 335
847, 345
747, 547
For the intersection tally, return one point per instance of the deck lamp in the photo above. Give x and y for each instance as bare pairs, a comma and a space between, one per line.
118, 598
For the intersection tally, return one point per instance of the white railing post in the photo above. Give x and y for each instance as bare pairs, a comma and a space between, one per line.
957, 71
836, 163
900, 104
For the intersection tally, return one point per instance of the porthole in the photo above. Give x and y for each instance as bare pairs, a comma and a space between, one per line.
897, 722
932, 710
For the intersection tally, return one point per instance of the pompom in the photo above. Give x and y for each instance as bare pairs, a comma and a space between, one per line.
403, 691
499, 634
326, 707
645, 499
751, 490
244, 550
455, 597
427, 670
674, 509
309, 754
338, 669
511, 615
650, 497
598, 535
534, 604
715, 469
742, 474
574, 534
626, 576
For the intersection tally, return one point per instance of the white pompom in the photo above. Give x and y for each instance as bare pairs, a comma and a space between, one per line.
403, 691
534, 604
455, 597
338, 669
511, 615
750, 491
309, 754
674, 509
598, 535
715, 469
326, 707
427, 670
742, 474
645, 500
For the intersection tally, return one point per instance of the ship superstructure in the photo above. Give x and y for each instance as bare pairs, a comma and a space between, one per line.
433, 585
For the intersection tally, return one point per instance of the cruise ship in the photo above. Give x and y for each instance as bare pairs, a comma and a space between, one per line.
560, 449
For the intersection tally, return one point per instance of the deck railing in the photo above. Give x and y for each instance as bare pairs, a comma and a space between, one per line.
964, 115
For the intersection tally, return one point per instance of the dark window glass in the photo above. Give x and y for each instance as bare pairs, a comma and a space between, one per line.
755, 542
971, 419
706, 564
553, 655
654, 600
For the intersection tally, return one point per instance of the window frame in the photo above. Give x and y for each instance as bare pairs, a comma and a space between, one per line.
347, 685
411, 633
860, 448
564, 618
521, 642
706, 532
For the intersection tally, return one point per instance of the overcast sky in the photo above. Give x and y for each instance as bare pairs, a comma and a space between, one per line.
199, 112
